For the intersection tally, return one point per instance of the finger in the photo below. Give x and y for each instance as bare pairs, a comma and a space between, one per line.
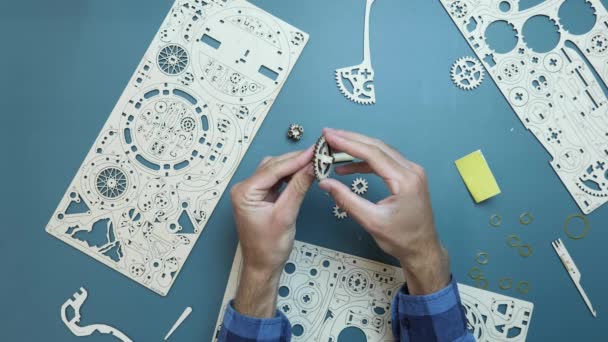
291, 198
393, 153
264, 162
381, 163
352, 168
356, 206
275, 170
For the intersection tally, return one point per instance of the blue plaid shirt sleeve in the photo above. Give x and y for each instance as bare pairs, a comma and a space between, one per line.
237, 327
438, 317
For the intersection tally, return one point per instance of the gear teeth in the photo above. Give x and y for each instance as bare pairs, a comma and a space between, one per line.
347, 94
360, 186
339, 213
462, 62
318, 145
295, 132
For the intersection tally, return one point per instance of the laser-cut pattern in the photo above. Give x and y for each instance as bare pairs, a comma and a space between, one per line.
555, 94
325, 291
169, 148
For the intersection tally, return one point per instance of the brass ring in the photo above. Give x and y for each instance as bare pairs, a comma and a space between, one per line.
495, 220
505, 283
475, 273
482, 258
526, 218
567, 227
525, 247
479, 281
513, 241
523, 287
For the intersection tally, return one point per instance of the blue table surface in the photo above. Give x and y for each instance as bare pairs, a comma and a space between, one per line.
66, 62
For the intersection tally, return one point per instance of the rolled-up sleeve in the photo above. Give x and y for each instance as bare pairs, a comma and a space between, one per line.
438, 317
237, 327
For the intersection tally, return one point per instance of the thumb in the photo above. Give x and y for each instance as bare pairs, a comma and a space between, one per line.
292, 197
356, 206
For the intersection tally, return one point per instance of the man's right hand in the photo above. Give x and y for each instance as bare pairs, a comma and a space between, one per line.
402, 224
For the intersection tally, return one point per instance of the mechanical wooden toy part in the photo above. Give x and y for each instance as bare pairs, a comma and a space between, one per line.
75, 303
295, 132
359, 186
147, 187
467, 73
179, 322
324, 158
357, 82
554, 93
569, 221
323, 292
572, 270
339, 213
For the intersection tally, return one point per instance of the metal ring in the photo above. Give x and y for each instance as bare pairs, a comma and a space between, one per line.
482, 258
526, 247
495, 220
479, 281
526, 218
523, 287
505, 283
567, 226
513, 241
475, 273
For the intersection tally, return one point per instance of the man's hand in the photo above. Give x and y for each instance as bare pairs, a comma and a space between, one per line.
266, 224
402, 224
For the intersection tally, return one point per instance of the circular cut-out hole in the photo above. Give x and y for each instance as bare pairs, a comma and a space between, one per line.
326, 262
577, 16
501, 36
505, 6
297, 330
283, 291
313, 272
541, 34
290, 268
351, 334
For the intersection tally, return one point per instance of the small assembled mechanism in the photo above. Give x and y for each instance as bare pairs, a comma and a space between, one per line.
359, 186
72, 324
526, 218
575, 274
495, 220
339, 212
467, 73
295, 132
179, 322
505, 283
324, 158
357, 82
567, 227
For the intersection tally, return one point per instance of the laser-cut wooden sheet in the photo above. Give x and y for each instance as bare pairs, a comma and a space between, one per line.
324, 292
555, 94
181, 127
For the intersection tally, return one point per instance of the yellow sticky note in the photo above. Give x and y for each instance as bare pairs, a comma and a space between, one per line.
477, 176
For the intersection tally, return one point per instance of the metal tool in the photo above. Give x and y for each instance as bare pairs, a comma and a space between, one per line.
360, 77
575, 274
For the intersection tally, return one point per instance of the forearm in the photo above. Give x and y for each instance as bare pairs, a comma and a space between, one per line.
428, 270
257, 293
